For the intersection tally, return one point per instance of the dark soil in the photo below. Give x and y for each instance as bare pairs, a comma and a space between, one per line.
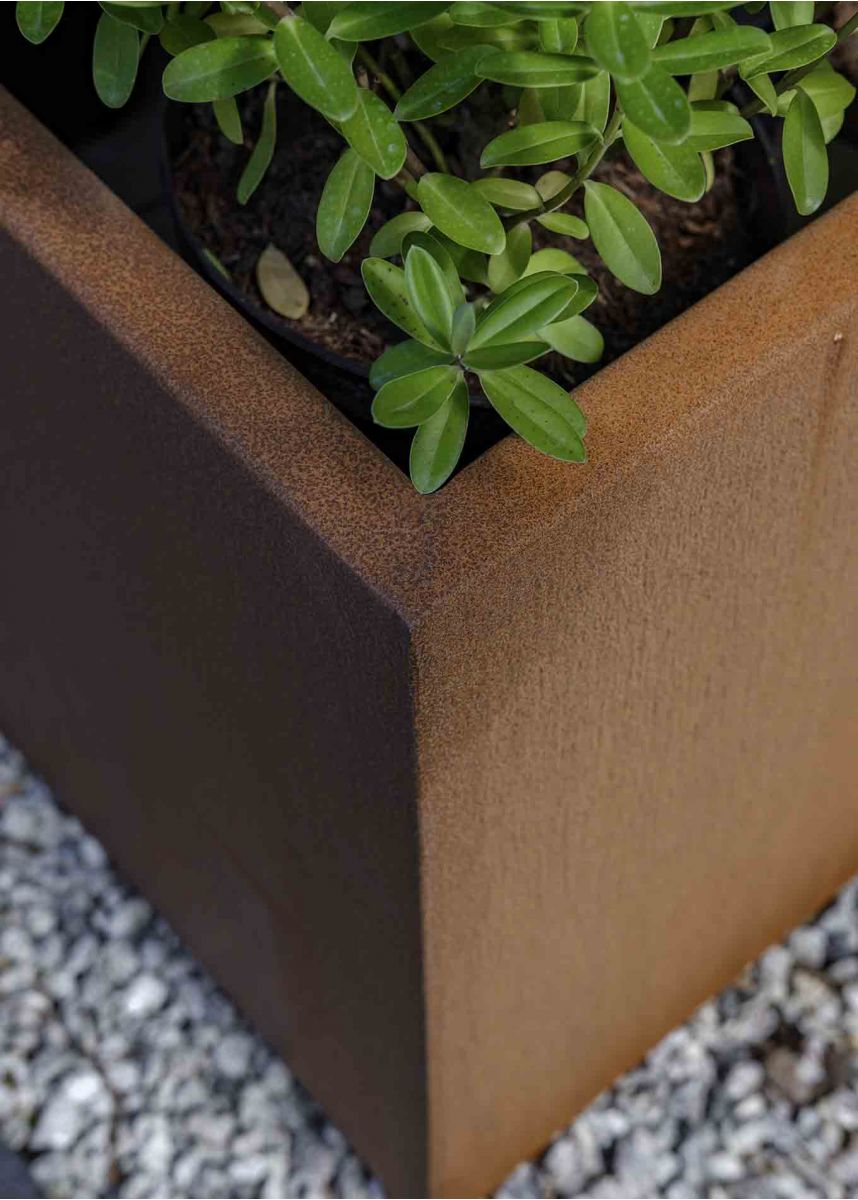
702, 244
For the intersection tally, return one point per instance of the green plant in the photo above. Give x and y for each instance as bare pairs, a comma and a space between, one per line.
571, 80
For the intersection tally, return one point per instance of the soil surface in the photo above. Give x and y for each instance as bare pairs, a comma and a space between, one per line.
702, 244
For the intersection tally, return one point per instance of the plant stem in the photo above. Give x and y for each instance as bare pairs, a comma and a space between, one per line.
425, 135
792, 77
585, 170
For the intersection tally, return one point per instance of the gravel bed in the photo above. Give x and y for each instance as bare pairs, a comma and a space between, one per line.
125, 1072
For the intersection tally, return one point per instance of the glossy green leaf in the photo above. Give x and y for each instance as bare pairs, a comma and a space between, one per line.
541, 10
147, 18
314, 69
592, 101
412, 399
479, 16
510, 194
263, 151
622, 237
576, 338
711, 51
431, 241
470, 264
507, 38
373, 131
830, 92
438, 442
791, 48
714, 127
464, 324
320, 13
461, 213
443, 86
554, 259
182, 32
532, 69
552, 183
236, 25
115, 55
676, 8
405, 358
583, 298
387, 241
657, 105
220, 68
385, 284
37, 19
509, 265
228, 120
366, 20
616, 40
509, 354
676, 170
530, 145
429, 294
764, 90
565, 224
559, 36
794, 12
523, 309
539, 410
344, 205
805, 156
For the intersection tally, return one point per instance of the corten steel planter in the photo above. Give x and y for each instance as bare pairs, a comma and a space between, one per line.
466, 799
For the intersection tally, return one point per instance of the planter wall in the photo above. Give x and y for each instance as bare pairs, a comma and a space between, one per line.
465, 799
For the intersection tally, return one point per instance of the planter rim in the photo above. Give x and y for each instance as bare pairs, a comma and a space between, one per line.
414, 551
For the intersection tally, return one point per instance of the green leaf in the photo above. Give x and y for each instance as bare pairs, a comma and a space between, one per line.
714, 127
541, 10
532, 144
457, 38
510, 354
509, 265
523, 309
388, 240
583, 298
438, 442
461, 213
552, 258
314, 69
657, 105
539, 410
470, 264
796, 12
148, 18
551, 183
236, 25
576, 338
429, 294
413, 399
218, 69
616, 41
592, 101
676, 8
115, 54
345, 204
443, 86
385, 284
532, 69
464, 324
791, 48
405, 358
263, 151
373, 131
479, 16
805, 157
510, 194
37, 20
438, 248
565, 224
622, 237
764, 90
320, 13
558, 37
229, 121
676, 170
366, 20
830, 92
184, 31
711, 51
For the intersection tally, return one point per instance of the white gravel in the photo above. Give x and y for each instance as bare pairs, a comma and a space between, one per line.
124, 1072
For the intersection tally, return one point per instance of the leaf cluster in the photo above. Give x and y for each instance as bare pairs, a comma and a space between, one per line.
456, 270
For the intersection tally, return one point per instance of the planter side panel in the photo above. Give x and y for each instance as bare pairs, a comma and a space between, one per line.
639, 733
221, 699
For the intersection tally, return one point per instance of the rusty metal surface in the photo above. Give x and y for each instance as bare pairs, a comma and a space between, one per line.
536, 754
